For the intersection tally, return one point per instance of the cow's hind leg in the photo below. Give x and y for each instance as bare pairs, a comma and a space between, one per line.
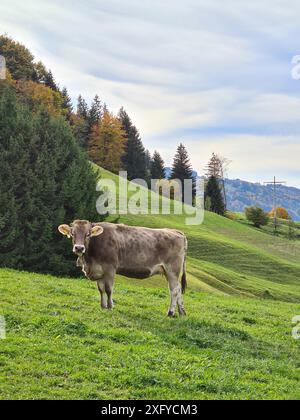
175, 293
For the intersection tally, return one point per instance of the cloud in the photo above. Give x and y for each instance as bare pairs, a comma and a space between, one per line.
214, 75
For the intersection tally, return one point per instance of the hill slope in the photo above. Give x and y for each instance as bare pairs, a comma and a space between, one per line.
231, 258
60, 345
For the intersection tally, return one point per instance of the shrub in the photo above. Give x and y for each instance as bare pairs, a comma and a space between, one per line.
257, 216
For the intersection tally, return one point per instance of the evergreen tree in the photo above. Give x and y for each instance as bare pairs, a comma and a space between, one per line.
19, 60
213, 196
15, 131
182, 169
82, 108
217, 167
66, 103
134, 158
50, 82
157, 167
45, 180
80, 123
95, 112
106, 143
40, 73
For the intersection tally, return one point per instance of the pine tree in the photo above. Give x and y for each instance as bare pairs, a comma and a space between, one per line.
15, 129
182, 169
19, 60
95, 112
157, 167
82, 108
80, 123
50, 82
217, 167
134, 158
213, 196
67, 106
45, 180
106, 143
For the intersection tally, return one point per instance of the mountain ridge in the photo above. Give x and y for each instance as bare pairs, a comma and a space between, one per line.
242, 194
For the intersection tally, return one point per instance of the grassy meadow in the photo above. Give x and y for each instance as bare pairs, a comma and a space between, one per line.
235, 343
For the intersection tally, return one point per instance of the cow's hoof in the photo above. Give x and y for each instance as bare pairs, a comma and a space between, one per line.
182, 312
171, 314
103, 307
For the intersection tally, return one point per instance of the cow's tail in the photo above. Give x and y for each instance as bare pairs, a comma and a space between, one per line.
183, 278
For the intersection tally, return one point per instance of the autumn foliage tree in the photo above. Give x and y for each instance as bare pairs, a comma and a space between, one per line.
281, 213
106, 143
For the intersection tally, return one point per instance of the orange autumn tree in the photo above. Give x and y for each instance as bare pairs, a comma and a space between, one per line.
107, 143
281, 213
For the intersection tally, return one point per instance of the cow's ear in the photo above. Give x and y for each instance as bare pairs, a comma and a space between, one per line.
65, 230
96, 230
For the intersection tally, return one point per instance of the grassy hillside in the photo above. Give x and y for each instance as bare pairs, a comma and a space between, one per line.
235, 343
61, 345
232, 258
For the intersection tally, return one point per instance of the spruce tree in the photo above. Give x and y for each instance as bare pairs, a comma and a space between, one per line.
67, 106
134, 158
50, 82
45, 180
157, 166
15, 130
213, 195
19, 60
182, 169
80, 123
95, 112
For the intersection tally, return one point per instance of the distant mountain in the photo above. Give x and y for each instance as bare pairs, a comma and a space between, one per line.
169, 171
241, 194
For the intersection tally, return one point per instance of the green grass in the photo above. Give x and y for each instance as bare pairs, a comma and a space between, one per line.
235, 343
60, 345
232, 257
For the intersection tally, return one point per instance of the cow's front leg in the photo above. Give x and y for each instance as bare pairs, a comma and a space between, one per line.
109, 286
109, 292
106, 285
101, 288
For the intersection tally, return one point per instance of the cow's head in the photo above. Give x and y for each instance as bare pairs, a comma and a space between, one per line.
81, 231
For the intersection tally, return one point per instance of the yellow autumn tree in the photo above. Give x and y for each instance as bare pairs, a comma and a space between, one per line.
107, 143
38, 96
281, 213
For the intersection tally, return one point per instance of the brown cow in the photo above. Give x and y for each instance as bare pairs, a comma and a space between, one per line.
106, 249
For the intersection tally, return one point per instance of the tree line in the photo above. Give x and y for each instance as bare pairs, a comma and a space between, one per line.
45, 151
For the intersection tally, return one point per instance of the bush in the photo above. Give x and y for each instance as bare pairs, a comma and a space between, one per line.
257, 216
231, 216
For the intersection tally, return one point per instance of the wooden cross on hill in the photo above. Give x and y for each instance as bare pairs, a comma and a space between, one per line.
275, 184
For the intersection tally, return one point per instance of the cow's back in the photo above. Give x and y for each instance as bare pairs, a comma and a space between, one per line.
138, 248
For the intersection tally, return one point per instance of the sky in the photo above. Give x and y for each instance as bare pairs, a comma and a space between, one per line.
215, 75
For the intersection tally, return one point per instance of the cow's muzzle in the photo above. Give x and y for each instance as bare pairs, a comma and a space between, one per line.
79, 250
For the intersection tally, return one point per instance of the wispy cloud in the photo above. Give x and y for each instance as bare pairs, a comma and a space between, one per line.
215, 75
